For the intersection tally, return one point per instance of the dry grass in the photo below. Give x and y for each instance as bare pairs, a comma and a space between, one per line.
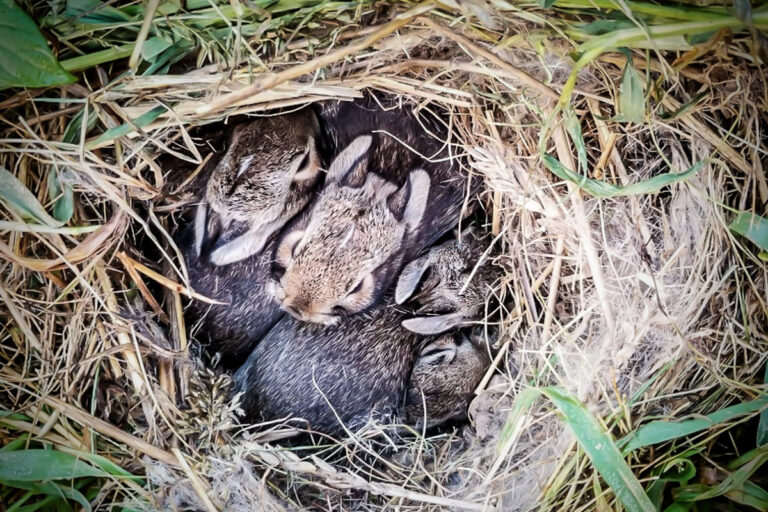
643, 306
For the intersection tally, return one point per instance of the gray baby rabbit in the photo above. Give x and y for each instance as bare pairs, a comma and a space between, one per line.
446, 372
358, 370
266, 176
381, 205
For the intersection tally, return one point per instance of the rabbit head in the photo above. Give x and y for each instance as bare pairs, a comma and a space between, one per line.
263, 180
444, 376
345, 252
446, 285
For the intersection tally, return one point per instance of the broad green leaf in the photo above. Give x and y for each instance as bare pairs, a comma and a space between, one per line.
662, 431
94, 11
153, 47
52, 490
602, 189
40, 465
25, 59
126, 128
631, 96
602, 451
752, 226
23, 203
546, 3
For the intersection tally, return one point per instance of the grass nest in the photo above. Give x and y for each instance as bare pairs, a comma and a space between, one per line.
623, 150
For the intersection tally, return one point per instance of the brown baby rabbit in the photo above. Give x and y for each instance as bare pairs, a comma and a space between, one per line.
445, 284
357, 370
266, 176
382, 203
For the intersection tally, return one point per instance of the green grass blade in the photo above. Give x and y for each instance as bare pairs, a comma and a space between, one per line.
662, 431
103, 463
751, 495
126, 128
22, 202
16, 444
61, 193
602, 189
680, 470
57, 492
41, 465
733, 484
99, 57
631, 96
762, 425
602, 451
752, 226
573, 127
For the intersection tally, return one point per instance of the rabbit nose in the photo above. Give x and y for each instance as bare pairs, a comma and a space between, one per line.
298, 308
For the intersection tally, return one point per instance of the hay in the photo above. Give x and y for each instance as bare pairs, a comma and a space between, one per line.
643, 307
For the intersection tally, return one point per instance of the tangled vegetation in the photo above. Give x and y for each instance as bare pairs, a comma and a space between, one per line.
623, 149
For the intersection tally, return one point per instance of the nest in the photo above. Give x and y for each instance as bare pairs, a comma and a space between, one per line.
639, 305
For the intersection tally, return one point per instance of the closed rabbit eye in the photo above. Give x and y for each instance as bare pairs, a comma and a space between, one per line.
359, 297
304, 161
339, 310
277, 271
357, 288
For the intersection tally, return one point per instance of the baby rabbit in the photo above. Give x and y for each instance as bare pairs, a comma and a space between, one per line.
446, 285
381, 205
266, 176
446, 372
330, 375
358, 369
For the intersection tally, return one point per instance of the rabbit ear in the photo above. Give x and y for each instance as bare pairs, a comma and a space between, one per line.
433, 324
410, 278
244, 246
308, 165
418, 185
397, 202
349, 167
